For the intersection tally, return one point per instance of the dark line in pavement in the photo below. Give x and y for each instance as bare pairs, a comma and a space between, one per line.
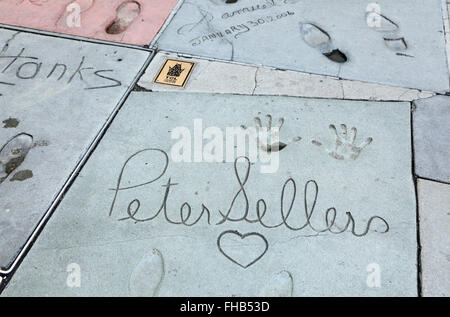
5, 83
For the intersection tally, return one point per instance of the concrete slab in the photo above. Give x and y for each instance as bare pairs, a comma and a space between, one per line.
131, 22
108, 237
55, 97
434, 209
380, 42
445, 13
432, 138
244, 79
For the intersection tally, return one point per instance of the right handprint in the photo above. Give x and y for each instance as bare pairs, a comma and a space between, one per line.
345, 144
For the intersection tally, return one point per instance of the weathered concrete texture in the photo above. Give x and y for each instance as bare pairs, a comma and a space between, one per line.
54, 99
132, 22
434, 209
92, 233
268, 32
432, 138
445, 13
224, 77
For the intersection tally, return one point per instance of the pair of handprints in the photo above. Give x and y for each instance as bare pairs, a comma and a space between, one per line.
346, 146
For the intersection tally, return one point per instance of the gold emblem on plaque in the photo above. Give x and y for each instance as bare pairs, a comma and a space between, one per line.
174, 73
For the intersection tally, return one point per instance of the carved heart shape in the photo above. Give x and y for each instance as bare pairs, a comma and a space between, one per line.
233, 255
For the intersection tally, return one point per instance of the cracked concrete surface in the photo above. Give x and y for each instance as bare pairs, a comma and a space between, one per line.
88, 18
271, 36
110, 249
255, 72
434, 209
55, 92
224, 77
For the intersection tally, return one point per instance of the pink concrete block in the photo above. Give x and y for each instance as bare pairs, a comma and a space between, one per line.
132, 22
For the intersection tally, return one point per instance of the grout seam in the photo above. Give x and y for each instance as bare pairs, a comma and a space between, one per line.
413, 168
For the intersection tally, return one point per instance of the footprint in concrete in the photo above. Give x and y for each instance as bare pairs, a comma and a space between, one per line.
268, 137
21, 176
10, 123
396, 44
317, 38
72, 14
127, 12
224, 1
280, 285
13, 153
147, 276
389, 28
38, 2
345, 144
380, 23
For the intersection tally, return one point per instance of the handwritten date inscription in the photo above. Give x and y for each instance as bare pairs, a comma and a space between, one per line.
234, 31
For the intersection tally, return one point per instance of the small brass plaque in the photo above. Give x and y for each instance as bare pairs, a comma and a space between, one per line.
174, 73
